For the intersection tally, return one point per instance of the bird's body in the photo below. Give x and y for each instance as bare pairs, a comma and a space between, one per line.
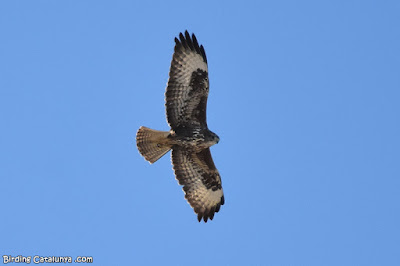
189, 138
195, 139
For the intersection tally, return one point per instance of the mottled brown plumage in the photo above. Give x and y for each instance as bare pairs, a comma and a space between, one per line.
189, 138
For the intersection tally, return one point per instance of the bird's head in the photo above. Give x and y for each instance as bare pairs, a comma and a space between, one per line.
214, 137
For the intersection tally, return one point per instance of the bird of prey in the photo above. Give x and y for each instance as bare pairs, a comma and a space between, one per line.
189, 137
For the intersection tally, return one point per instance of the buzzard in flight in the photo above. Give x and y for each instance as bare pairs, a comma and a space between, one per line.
189, 138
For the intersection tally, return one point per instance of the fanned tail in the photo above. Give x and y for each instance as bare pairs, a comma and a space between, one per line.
152, 144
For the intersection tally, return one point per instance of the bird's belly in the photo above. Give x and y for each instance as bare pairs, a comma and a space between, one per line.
194, 144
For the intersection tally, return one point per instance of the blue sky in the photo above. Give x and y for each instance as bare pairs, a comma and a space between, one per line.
304, 96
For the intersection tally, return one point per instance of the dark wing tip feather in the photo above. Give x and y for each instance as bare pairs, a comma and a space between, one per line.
190, 43
212, 212
203, 53
183, 41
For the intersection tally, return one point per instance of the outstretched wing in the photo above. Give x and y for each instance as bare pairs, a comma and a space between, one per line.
187, 90
200, 179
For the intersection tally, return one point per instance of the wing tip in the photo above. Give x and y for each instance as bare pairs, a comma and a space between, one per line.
209, 213
189, 43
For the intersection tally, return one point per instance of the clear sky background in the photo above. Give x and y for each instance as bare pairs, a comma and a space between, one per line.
305, 96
